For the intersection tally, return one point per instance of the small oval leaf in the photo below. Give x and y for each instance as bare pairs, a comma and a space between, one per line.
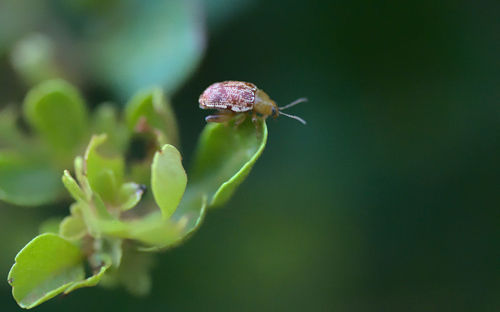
168, 179
57, 112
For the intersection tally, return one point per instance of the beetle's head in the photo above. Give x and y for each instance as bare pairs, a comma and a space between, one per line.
275, 111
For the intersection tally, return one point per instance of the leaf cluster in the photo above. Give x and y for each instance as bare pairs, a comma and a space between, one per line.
127, 202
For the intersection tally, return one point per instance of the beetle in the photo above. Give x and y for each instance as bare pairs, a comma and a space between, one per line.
238, 99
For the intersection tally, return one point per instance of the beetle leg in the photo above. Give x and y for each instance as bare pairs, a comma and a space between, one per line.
254, 118
221, 117
239, 120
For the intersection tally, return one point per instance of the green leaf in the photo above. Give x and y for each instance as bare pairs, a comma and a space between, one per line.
45, 267
174, 36
224, 157
27, 182
168, 179
72, 227
105, 120
57, 112
129, 195
80, 175
73, 188
152, 107
151, 230
89, 281
105, 174
182, 224
100, 207
89, 217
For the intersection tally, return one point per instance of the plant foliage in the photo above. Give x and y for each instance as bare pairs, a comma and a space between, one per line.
113, 224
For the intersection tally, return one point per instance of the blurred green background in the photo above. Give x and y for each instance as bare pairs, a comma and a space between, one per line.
388, 200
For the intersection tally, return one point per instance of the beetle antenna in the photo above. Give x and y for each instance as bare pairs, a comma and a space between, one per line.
294, 117
297, 101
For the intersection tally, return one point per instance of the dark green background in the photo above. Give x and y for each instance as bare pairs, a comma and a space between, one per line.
388, 200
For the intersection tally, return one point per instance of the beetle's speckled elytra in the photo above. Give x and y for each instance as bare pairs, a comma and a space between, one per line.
238, 98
